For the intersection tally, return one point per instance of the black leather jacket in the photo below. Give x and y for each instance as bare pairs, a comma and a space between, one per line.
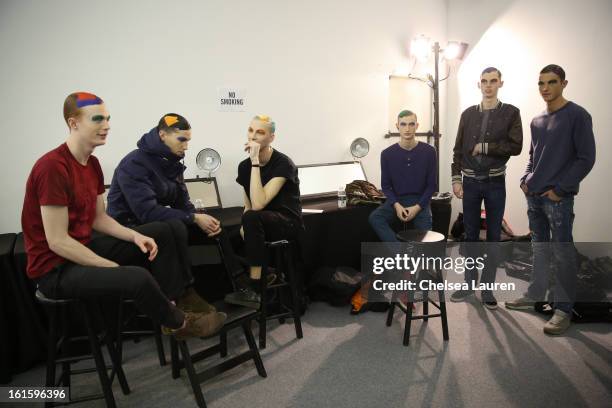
503, 138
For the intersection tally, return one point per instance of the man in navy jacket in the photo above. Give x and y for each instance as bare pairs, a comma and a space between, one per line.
148, 185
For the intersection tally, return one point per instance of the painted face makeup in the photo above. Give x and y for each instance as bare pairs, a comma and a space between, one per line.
93, 124
177, 141
170, 120
259, 132
407, 125
86, 99
99, 118
550, 86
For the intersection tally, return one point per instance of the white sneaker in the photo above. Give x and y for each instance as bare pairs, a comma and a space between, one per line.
559, 323
522, 303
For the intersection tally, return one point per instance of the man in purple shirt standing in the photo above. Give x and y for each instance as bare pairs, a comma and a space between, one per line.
408, 179
562, 153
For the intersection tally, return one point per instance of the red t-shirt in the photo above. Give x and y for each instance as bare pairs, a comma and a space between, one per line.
58, 178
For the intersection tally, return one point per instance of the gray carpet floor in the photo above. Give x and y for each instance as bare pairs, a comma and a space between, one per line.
498, 358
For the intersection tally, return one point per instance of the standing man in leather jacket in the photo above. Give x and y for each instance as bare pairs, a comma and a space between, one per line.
489, 133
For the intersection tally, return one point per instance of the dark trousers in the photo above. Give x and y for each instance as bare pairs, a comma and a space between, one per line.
262, 226
222, 241
493, 192
151, 284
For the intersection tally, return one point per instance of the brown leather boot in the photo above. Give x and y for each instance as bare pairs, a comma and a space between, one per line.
198, 325
192, 302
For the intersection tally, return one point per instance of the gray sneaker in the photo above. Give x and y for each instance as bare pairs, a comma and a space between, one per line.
488, 300
559, 323
461, 295
522, 303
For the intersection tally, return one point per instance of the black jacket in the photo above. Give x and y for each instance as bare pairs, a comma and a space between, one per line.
503, 138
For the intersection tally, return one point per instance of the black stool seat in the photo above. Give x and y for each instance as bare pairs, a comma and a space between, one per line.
50, 301
420, 236
430, 243
237, 316
235, 313
58, 349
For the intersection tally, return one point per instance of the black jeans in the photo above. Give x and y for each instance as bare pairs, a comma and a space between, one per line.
196, 236
151, 284
264, 225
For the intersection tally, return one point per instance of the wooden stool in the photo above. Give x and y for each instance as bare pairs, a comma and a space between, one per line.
433, 243
286, 278
237, 316
124, 330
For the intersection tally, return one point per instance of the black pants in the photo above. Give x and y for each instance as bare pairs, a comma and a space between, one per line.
149, 283
231, 263
262, 226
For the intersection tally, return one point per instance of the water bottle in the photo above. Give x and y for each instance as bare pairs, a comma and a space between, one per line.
341, 197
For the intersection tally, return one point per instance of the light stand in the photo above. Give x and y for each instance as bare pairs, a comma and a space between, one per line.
436, 105
454, 50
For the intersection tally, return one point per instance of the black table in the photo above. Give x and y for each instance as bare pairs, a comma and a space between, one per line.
23, 328
333, 236
7, 319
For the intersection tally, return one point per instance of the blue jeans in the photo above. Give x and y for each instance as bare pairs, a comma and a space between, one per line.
493, 192
552, 221
384, 216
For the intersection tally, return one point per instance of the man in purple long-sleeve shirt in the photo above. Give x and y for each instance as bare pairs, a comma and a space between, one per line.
408, 178
562, 153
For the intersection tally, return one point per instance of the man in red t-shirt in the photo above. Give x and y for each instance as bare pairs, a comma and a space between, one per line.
64, 204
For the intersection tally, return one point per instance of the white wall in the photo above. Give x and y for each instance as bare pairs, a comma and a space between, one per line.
521, 37
319, 68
